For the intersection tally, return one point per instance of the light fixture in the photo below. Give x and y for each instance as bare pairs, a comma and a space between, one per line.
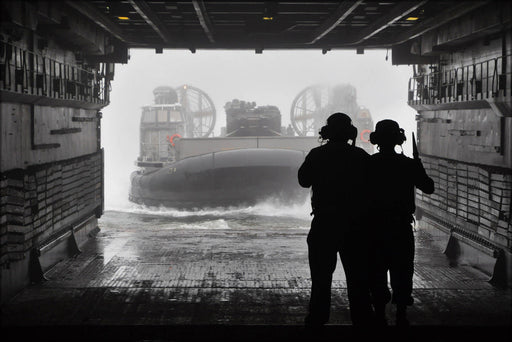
270, 11
412, 18
123, 18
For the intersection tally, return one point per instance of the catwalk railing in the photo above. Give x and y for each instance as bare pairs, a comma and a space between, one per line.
26, 72
479, 81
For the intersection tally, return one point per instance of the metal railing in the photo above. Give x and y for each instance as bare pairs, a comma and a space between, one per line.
479, 81
26, 72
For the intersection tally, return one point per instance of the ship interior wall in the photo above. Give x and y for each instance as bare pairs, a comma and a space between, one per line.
464, 131
51, 161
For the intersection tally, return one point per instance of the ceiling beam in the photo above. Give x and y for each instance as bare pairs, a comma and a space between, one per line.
430, 24
151, 18
204, 19
396, 13
341, 13
99, 18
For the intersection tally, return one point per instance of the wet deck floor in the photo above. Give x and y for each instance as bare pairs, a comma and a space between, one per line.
199, 284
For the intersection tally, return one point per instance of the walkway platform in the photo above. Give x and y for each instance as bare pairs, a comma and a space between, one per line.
161, 284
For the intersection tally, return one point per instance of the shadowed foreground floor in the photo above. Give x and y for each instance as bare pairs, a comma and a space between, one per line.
233, 284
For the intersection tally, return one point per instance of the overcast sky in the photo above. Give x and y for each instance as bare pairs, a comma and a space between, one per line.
270, 78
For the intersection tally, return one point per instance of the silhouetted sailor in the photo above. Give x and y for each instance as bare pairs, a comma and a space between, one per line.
334, 171
392, 179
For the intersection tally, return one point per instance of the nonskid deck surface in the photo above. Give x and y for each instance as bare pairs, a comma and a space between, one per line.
139, 279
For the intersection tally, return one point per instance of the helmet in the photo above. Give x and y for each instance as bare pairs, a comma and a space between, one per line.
387, 131
339, 127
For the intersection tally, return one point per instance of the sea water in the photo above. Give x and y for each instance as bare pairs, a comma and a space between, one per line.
265, 215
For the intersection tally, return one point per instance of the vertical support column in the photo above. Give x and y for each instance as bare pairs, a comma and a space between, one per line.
100, 209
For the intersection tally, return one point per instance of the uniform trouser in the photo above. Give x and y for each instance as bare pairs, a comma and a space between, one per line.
324, 245
393, 251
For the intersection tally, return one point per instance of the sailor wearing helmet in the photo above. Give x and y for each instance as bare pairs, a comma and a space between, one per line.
392, 178
335, 173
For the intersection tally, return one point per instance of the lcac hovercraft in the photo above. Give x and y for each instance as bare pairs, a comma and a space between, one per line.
254, 160
181, 166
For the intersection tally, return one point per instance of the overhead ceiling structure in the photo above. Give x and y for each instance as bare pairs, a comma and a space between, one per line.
261, 25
